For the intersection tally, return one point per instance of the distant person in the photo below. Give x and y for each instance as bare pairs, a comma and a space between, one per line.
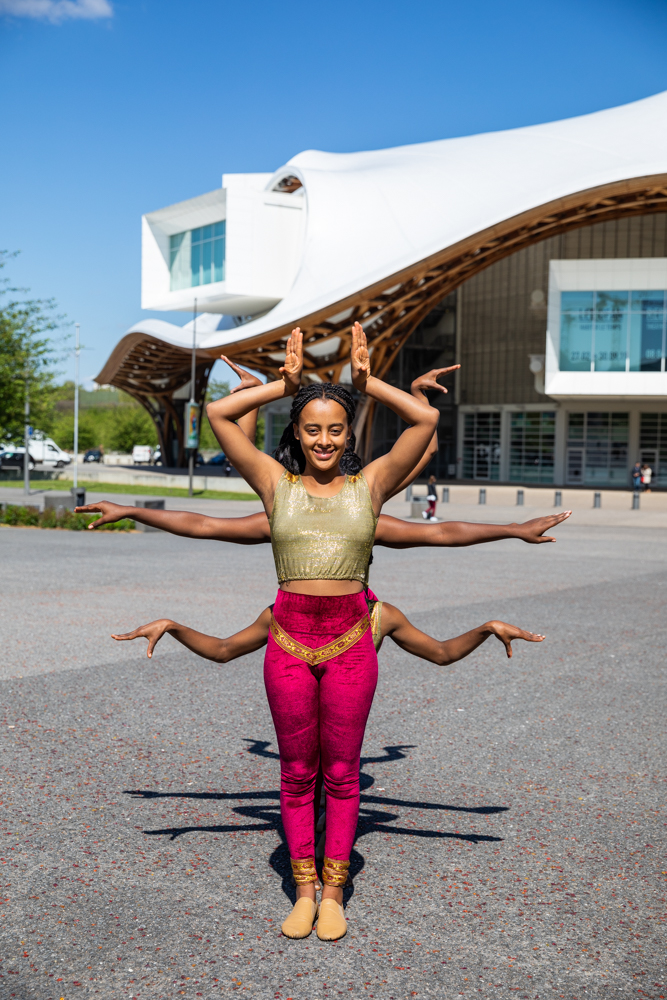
432, 497
637, 477
647, 475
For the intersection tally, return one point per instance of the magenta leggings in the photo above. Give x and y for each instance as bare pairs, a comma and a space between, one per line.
320, 716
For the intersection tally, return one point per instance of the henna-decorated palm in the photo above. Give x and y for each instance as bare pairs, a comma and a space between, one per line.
360, 359
293, 364
247, 380
429, 380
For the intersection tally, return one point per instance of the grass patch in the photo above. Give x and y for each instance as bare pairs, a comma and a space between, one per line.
155, 491
30, 517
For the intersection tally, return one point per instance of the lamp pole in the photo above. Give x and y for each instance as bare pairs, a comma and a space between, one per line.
26, 435
191, 460
76, 408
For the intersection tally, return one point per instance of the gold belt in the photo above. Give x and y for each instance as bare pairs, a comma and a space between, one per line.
315, 656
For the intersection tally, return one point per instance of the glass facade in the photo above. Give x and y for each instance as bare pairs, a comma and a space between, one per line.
432, 345
612, 331
597, 449
653, 445
532, 447
197, 257
481, 446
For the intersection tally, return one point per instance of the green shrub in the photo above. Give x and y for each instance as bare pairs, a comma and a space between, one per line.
16, 516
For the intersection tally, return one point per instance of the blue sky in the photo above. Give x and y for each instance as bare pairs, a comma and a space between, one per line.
112, 108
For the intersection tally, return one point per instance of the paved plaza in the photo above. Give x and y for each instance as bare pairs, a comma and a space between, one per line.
512, 829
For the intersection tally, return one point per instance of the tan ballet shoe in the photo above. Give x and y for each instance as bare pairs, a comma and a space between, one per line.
300, 922
331, 924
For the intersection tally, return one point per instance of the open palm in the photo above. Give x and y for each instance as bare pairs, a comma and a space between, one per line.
360, 359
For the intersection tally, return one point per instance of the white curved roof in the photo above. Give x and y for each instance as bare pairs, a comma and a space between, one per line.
372, 214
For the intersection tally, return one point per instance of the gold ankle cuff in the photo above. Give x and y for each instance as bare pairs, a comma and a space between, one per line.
335, 872
304, 871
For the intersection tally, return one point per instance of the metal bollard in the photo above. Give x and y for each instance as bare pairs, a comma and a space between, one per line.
635, 501
519, 498
445, 494
597, 499
558, 498
79, 495
482, 495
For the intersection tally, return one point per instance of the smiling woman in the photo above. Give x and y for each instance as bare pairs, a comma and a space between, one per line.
320, 668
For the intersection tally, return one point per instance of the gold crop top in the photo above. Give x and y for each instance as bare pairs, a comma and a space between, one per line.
322, 538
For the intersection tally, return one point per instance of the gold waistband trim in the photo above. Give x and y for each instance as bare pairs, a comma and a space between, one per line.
315, 656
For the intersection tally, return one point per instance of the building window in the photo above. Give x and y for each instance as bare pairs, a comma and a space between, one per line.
597, 449
532, 447
612, 331
197, 257
653, 445
481, 446
279, 422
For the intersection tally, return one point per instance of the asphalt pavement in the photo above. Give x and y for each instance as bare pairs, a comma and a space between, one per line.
511, 837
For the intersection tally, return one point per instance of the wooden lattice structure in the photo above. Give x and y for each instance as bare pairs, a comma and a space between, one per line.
152, 371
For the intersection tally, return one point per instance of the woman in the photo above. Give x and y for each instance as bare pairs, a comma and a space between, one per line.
320, 667
432, 497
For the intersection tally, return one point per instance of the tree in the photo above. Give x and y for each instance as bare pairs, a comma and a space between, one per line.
26, 358
131, 426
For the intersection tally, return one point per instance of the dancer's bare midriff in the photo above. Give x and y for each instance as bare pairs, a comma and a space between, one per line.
322, 588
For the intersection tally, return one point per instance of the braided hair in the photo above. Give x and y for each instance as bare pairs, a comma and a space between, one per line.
290, 453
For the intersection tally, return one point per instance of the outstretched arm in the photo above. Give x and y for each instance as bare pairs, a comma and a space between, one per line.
249, 530
398, 534
412, 640
385, 474
257, 468
219, 650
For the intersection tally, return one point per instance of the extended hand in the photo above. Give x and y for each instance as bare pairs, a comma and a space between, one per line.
533, 531
428, 381
507, 632
293, 366
153, 632
247, 380
110, 512
360, 359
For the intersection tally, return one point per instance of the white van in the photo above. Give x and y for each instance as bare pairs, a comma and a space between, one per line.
45, 451
42, 451
142, 454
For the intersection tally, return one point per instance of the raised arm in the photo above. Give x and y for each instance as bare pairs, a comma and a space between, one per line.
257, 468
385, 474
208, 646
417, 389
412, 640
395, 533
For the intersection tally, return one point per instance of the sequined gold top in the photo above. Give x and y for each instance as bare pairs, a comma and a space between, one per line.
322, 538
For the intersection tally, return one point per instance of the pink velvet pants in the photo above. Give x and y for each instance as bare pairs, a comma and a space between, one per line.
320, 716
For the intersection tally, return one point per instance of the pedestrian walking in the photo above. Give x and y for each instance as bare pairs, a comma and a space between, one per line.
432, 497
637, 477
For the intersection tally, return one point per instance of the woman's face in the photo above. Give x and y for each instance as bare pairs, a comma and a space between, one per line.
323, 433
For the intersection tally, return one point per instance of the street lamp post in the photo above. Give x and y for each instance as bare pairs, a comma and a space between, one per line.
26, 436
76, 410
192, 404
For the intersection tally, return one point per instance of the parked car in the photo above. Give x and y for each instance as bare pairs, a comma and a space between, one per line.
12, 458
142, 454
219, 459
94, 455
